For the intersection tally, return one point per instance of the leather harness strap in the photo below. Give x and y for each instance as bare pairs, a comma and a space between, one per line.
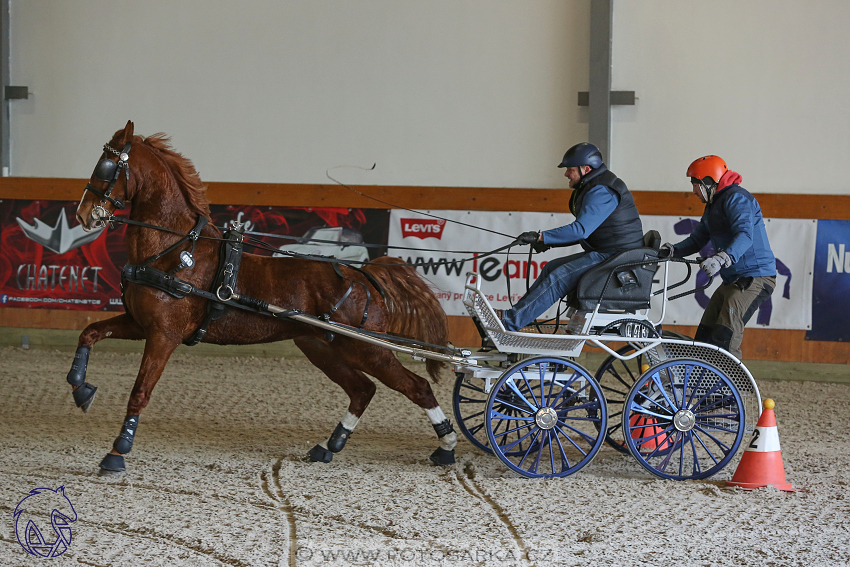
221, 294
224, 282
193, 236
338, 270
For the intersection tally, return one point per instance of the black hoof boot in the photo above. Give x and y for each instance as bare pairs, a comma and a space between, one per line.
124, 443
112, 465
338, 438
319, 454
442, 457
84, 396
77, 375
83, 392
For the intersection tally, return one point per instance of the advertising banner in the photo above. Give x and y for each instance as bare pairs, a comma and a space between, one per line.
459, 246
445, 251
48, 261
831, 287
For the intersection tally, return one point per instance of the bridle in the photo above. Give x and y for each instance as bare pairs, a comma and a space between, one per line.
109, 171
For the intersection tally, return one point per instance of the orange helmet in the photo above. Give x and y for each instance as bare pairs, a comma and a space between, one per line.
712, 167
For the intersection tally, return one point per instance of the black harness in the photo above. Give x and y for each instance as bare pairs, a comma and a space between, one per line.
224, 282
221, 294
109, 171
338, 270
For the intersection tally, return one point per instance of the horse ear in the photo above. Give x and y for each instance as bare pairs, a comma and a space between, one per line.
128, 132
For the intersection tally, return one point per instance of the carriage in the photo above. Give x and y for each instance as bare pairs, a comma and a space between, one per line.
680, 407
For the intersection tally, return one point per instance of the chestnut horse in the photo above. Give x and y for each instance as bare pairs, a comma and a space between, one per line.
165, 190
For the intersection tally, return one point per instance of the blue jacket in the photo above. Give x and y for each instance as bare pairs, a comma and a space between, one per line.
606, 217
734, 224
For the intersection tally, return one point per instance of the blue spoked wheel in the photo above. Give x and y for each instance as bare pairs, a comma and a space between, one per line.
617, 377
469, 402
546, 417
683, 419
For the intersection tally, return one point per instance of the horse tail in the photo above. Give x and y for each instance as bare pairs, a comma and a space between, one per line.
413, 310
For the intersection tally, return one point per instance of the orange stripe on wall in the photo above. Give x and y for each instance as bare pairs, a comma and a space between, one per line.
683, 203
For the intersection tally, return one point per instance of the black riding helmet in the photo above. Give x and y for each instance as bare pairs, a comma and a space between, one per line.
582, 154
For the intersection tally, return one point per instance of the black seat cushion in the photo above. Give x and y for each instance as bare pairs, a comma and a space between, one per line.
630, 286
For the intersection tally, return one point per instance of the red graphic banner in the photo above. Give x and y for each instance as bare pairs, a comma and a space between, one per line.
48, 261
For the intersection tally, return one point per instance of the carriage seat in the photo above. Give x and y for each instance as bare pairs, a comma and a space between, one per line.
629, 288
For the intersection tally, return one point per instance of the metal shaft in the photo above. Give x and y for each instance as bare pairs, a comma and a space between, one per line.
355, 334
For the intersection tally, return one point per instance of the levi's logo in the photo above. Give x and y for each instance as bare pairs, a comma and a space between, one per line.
422, 228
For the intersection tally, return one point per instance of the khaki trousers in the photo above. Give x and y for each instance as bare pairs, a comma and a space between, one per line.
729, 309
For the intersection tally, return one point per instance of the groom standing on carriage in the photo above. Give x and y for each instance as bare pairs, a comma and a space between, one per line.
732, 222
607, 222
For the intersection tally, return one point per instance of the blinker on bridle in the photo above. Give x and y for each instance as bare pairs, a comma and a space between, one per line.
109, 171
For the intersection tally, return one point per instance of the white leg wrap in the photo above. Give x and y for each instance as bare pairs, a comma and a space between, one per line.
350, 421
449, 441
437, 417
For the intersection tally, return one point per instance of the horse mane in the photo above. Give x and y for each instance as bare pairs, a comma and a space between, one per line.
183, 171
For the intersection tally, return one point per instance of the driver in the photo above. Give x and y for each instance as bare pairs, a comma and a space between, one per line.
733, 223
606, 222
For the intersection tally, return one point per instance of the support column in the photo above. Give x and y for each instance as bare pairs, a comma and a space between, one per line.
5, 79
601, 24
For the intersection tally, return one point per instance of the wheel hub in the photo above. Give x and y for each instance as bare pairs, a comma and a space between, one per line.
546, 418
684, 420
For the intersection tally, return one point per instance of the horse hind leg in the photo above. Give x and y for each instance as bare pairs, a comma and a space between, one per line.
120, 327
158, 350
384, 366
356, 385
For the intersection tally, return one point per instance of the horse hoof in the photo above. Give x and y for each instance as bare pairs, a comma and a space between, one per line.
84, 396
107, 472
319, 454
442, 457
112, 465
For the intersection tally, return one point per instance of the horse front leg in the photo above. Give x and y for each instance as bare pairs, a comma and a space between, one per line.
120, 327
158, 350
356, 385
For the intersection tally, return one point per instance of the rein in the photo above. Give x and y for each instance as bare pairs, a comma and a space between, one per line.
338, 182
259, 244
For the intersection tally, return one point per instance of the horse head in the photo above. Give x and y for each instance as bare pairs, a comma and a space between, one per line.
108, 188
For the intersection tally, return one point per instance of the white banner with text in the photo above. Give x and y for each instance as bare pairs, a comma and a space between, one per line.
445, 251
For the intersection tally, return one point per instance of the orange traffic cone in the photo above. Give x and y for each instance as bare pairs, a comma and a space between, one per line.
761, 464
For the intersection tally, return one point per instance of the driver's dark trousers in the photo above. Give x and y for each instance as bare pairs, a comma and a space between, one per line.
558, 278
730, 308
